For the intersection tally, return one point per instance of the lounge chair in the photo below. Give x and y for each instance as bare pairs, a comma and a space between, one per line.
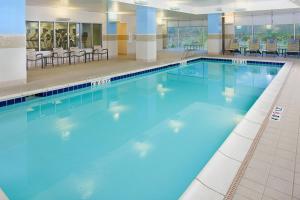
33, 56
99, 51
271, 47
60, 54
75, 52
254, 47
293, 47
234, 46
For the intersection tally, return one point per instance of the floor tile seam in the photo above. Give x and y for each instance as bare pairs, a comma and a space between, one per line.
296, 159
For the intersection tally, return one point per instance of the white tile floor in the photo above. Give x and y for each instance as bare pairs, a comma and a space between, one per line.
274, 169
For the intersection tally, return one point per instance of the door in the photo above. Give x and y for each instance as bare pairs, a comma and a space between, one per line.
122, 38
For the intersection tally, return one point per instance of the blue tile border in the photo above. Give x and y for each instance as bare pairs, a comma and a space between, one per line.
249, 62
116, 78
81, 86
19, 100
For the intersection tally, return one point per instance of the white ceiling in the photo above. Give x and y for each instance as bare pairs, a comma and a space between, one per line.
184, 6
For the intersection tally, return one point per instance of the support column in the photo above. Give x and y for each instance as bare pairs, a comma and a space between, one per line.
12, 43
214, 41
111, 38
146, 46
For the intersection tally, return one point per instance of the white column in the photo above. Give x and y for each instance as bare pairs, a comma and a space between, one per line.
146, 45
12, 43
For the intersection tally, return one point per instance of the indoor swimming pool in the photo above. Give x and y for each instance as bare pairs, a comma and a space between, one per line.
144, 137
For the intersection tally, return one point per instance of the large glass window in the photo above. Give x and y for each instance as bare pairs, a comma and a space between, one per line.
61, 35
282, 33
173, 37
193, 35
86, 36
243, 34
97, 34
74, 34
180, 35
47, 36
32, 35
297, 30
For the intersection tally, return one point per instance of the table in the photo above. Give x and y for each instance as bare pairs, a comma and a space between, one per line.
282, 51
48, 59
243, 49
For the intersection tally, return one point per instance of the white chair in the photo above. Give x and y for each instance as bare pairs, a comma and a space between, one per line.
99, 51
33, 56
75, 52
60, 54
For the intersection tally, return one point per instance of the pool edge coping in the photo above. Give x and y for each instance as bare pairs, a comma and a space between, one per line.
207, 190
217, 181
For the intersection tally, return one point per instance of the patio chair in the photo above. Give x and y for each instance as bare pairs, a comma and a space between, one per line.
99, 51
271, 47
293, 47
234, 46
33, 56
254, 47
75, 52
60, 54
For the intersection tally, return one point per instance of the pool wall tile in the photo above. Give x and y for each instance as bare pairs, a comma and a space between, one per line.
199, 191
236, 147
211, 173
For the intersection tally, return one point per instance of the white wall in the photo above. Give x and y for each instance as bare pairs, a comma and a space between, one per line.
283, 17
36, 13
12, 70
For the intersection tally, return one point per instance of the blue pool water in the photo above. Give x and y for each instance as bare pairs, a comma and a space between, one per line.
142, 138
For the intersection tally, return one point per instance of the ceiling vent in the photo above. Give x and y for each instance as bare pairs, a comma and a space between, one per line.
63, 19
297, 2
141, 2
219, 10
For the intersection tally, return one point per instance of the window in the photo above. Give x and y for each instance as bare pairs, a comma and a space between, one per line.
297, 31
193, 35
173, 37
282, 33
47, 36
86, 36
44, 36
74, 34
97, 34
243, 34
32, 35
186, 33
61, 35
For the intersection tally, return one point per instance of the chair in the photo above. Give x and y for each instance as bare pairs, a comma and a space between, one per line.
33, 56
60, 54
254, 46
98, 50
234, 46
293, 47
271, 47
75, 52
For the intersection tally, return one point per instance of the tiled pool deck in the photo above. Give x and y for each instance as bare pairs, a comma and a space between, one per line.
273, 171
270, 173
